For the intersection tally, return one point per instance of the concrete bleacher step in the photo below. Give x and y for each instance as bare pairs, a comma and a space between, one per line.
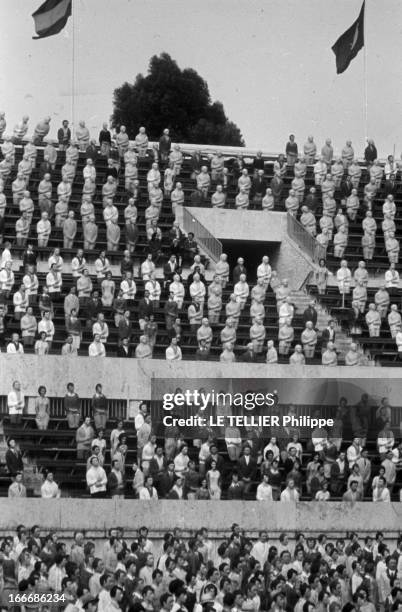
300, 299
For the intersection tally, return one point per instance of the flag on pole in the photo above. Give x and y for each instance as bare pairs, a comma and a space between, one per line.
349, 44
51, 17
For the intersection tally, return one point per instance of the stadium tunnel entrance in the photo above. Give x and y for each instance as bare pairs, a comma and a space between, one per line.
252, 253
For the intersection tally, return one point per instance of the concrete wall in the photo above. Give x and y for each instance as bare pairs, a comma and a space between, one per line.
131, 378
227, 224
292, 263
73, 514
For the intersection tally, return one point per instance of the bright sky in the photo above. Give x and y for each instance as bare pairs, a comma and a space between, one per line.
269, 62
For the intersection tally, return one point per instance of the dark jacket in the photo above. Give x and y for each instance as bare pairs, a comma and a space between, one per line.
370, 154
144, 309
125, 329
126, 266
237, 270
311, 202
64, 138
14, 462
310, 314
105, 136
91, 152
29, 258
93, 308
235, 491
244, 470
122, 353
165, 144
391, 187
248, 357
44, 168
167, 271
325, 337
154, 469
258, 187
171, 309
113, 485
165, 483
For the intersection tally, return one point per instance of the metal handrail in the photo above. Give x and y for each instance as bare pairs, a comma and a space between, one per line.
207, 241
306, 241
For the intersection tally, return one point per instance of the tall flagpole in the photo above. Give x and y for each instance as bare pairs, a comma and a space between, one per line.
365, 73
73, 8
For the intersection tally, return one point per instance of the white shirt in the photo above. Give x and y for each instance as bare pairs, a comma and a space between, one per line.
129, 289
154, 289
47, 326
101, 267
139, 421
55, 260
146, 268
96, 349
53, 282
93, 474
76, 266
11, 348
15, 404
50, 490
260, 551
264, 271
145, 494
392, 278
286, 495
264, 493
352, 454
102, 330
31, 284
105, 601
382, 496
173, 353
5, 256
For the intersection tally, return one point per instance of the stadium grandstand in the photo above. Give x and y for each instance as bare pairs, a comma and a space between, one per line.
169, 294
200, 344
81, 235
111, 253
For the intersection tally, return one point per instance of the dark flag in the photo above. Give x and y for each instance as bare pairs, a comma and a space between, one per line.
349, 44
51, 17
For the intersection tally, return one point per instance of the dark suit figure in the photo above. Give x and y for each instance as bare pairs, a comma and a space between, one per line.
246, 467
310, 314
169, 269
166, 481
165, 144
370, 153
125, 350
328, 335
239, 269
346, 187
14, 461
391, 186
145, 308
277, 188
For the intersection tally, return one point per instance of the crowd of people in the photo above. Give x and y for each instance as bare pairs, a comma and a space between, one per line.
275, 464
197, 572
95, 308
98, 293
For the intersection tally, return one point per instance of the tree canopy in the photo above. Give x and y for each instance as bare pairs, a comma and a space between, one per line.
168, 97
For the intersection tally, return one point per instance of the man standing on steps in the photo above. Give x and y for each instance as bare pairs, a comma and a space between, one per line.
328, 334
310, 314
165, 144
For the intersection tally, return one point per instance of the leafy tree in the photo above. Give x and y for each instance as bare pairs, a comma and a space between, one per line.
173, 98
